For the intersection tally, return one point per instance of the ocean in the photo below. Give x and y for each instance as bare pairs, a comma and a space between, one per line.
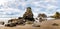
5, 20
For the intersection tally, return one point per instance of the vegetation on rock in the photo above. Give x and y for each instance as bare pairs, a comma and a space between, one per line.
56, 15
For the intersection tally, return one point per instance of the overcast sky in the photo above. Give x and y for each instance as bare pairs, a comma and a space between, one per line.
16, 8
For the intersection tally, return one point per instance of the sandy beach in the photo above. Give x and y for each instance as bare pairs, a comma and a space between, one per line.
43, 25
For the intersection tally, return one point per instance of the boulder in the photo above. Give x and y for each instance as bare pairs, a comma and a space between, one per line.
17, 21
2, 23
10, 25
36, 25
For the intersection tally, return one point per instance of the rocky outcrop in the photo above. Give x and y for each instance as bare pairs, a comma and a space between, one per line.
42, 15
10, 25
14, 22
28, 15
17, 21
2, 23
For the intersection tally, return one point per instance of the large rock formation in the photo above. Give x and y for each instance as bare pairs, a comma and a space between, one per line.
10, 25
17, 21
28, 15
42, 17
57, 15
14, 22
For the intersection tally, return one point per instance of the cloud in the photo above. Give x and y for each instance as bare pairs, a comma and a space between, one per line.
3, 1
9, 12
15, 8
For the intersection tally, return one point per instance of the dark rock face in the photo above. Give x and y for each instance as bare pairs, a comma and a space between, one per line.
42, 15
10, 25
55, 24
2, 23
28, 15
20, 17
17, 21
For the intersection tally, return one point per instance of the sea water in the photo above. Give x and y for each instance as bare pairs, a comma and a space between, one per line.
5, 20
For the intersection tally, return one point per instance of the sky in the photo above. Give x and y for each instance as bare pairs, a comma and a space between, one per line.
16, 8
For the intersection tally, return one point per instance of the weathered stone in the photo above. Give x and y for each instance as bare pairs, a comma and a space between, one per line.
36, 25
17, 21
28, 15
55, 24
10, 25
2, 23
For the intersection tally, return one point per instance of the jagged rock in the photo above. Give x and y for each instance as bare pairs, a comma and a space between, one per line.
2, 23
28, 15
17, 21
42, 15
10, 25
55, 24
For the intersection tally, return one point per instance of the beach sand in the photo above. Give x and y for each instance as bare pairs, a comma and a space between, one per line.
43, 25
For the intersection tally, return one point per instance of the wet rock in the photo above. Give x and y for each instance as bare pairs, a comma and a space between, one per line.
17, 21
10, 25
55, 24
2, 23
